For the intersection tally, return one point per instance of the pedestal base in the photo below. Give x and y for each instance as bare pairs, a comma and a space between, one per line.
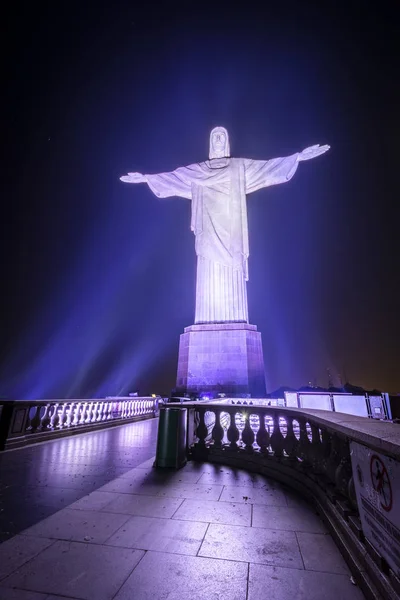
223, 358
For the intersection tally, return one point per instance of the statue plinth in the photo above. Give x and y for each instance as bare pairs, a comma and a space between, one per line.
223, 358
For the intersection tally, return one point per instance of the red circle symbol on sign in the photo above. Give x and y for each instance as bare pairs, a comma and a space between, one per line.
381, 482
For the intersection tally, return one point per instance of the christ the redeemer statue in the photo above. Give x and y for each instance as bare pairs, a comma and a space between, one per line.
217, 189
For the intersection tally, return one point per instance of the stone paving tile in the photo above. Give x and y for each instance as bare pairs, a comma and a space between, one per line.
163, 535
320, 553
146, 506
287, 519
73, 482
183, 490
228, 477
250, 544
18, 550
259, 481
293, 500
94, 501
85, 571
201, 467
124, 486
174, 577
57, 497
78, 525
252, 495
214, 512
284, 584
22, 518
147, 464
53, 597
161, 476
9, 594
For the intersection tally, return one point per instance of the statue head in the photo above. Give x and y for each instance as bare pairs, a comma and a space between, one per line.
219, 143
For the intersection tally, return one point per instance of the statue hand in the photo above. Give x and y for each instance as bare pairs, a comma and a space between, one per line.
313, 151
133, 178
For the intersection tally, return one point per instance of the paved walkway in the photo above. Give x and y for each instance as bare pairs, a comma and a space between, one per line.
38, 480
205, 532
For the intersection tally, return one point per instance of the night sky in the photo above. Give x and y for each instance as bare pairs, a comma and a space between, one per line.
98, 277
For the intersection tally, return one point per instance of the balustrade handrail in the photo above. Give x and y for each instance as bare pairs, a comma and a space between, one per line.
67, 401
383, 436
26, 421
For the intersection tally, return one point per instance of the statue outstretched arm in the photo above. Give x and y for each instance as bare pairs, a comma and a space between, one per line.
134, 178
313, 152
263, 173
163, 185
173, 183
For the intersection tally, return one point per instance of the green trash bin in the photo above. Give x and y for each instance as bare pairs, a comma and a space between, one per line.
171, 439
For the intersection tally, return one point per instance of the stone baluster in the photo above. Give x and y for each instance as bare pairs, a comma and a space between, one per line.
45, 420
94, 412
124, 409
77, 414
325, 447
217, 433
233, 431
248, 434
34, 422
110, 411
316, 450
100, 411
83, 414
201, 430
343, 473
304, 442
262, 437
54, 416
70, 413
277, 439
334, 459
290, 444
89, 412
62, 416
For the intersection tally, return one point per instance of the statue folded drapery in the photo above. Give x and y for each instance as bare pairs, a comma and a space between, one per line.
218, 189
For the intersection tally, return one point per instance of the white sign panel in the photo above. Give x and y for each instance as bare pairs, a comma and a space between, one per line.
351, 405
377, 483
291, 399
322, 401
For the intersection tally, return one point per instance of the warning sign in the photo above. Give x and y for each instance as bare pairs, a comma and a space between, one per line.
381, 482
377, 483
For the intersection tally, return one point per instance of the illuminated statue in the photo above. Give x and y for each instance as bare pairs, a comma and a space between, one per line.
217, 189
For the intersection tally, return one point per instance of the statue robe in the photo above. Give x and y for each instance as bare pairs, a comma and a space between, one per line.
217, 189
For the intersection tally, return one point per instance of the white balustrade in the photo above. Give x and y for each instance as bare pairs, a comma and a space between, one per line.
63, 415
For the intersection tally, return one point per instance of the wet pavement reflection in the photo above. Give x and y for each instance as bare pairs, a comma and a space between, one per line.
39, 480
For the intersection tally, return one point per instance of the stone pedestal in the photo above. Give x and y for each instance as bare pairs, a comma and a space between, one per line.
221, 357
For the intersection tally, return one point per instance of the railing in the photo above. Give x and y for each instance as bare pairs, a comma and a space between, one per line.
28, 422
313, 451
